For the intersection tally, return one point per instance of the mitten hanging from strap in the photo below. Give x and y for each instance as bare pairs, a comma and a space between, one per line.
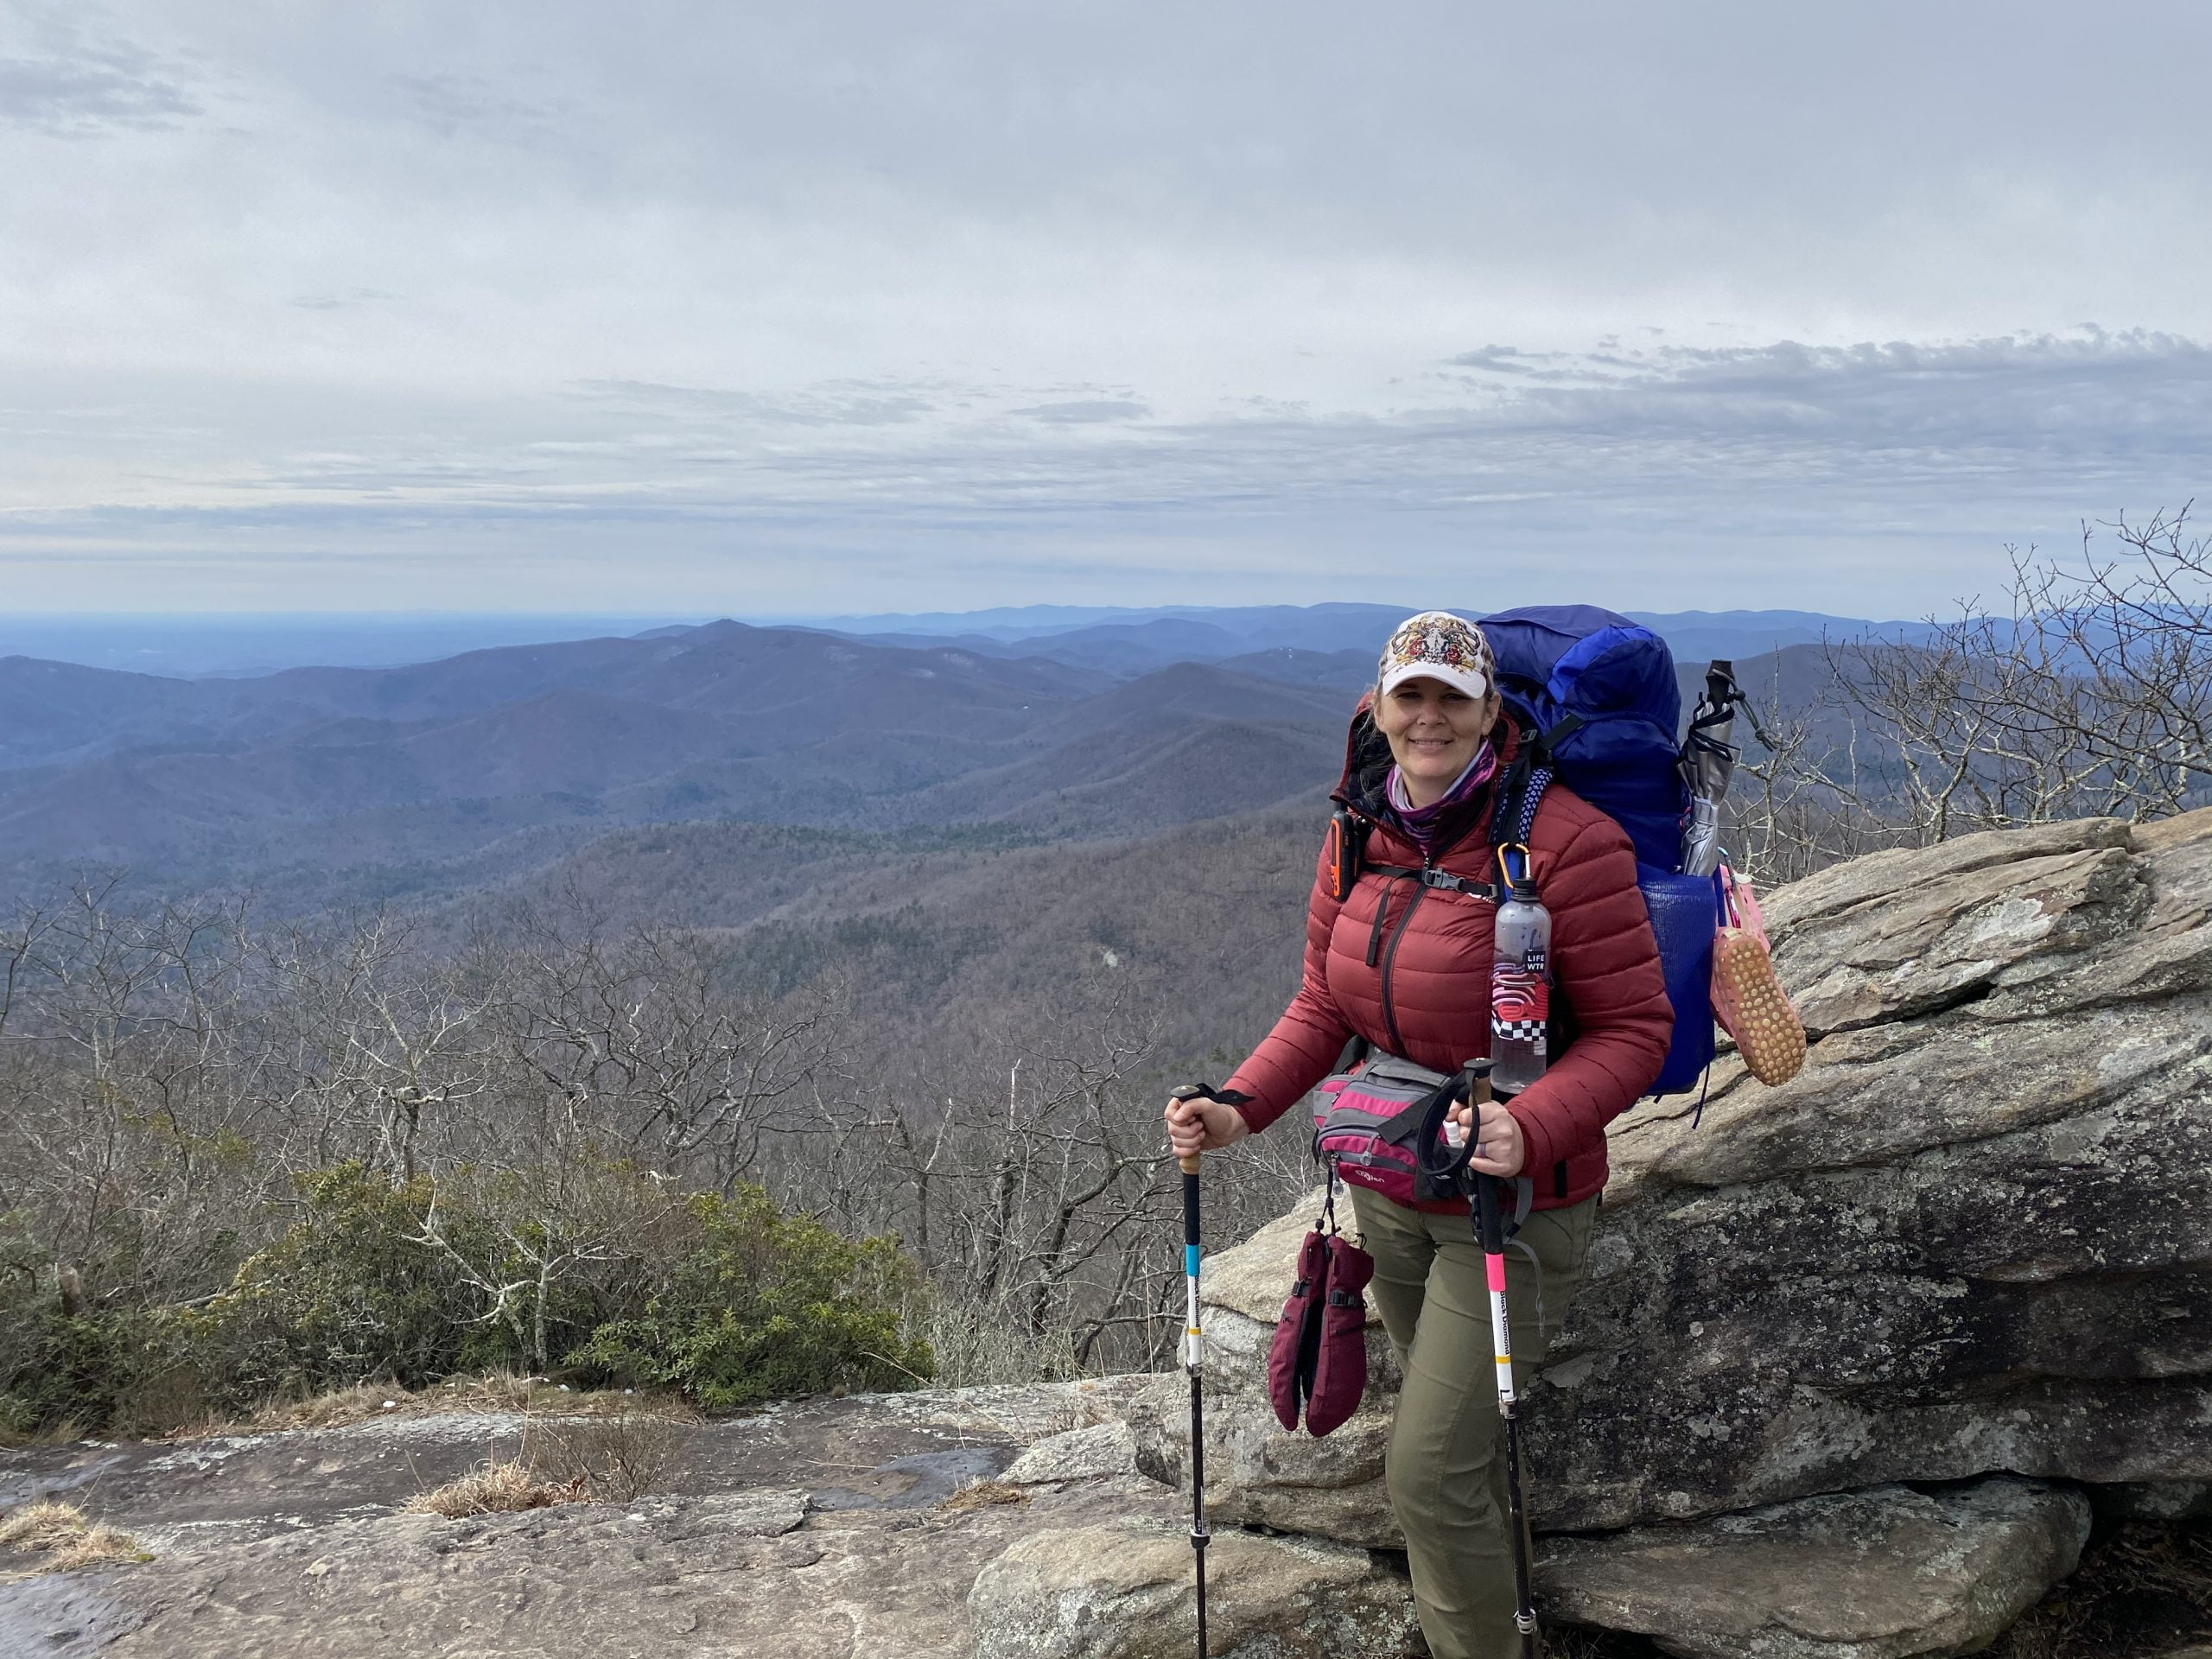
1296, 1349
1340, 1371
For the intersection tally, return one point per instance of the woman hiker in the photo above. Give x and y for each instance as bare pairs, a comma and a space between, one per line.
1413, 979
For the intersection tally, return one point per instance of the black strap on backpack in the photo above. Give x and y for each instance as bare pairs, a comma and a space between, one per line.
1521, 791
1443, 880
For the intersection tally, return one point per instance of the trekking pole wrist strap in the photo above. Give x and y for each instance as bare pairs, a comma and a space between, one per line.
1207, 1091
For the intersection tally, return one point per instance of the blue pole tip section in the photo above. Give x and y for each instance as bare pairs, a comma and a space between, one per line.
1191, 1260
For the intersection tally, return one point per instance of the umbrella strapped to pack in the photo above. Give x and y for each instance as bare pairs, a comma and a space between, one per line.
1747, 996
1708, 762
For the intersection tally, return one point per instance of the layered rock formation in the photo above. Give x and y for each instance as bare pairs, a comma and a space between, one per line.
1877, 1574
1973, 1236
1974, 1233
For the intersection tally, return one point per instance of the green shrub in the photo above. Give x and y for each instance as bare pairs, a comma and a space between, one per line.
59, 1367
347, 1293
729, 1300
765, 1305
75, 1368
19, 1419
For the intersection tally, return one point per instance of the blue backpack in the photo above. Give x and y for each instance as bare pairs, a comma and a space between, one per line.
1597, 693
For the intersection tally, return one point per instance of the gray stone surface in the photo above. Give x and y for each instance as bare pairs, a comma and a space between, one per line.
1974, 1234
1080, 1454
1124, 1592
817, 1530
64, 1615
866, 1452
1884, 1574
677, 1578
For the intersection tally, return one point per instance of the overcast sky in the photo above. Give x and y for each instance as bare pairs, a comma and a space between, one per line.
755, 309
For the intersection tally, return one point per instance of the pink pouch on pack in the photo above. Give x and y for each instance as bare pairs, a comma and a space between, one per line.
1748, 998
1367, 1123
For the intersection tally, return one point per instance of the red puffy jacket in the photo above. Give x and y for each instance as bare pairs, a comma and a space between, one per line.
1424, 995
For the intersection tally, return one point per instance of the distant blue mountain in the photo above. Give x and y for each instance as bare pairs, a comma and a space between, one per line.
1132, 642
185, 644
1121, 640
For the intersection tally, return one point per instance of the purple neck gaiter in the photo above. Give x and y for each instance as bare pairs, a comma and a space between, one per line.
1420, 822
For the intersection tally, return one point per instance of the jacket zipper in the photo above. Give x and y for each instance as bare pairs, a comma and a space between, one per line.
1390, 953
1390, 957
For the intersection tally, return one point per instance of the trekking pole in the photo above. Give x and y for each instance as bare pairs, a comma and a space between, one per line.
1490, 1228
1192, 1361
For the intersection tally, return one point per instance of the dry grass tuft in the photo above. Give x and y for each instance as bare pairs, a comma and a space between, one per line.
1585, 1641
59, 1532
98, 1546
499, 1391
617, 1457
59, 1433
512, 1391
983, 1494
337, 1407
41, 1525
495, 1486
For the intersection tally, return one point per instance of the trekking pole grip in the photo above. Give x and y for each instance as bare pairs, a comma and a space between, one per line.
1490, 1219
1189, 1164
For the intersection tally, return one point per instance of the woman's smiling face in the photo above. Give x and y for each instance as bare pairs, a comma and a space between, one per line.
1434, 730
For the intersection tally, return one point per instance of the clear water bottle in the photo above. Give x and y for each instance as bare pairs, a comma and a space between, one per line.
1520, 983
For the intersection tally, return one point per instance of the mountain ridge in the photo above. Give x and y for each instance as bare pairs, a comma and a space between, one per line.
327, 782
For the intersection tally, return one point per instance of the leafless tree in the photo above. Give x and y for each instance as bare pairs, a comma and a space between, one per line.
2088, 693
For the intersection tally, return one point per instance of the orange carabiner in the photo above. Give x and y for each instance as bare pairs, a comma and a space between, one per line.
1505, 870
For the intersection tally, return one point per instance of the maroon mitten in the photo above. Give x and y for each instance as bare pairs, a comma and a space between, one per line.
1340, 1369
1298, 1333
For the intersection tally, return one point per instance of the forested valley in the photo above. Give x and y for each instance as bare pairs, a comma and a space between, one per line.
746, 1012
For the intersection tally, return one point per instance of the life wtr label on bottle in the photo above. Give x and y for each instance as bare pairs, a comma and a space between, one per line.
1520, 1000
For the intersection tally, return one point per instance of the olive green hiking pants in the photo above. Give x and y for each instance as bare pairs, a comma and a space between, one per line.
1446, 1465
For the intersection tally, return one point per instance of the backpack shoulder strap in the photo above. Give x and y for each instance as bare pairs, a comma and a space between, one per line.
1520, 791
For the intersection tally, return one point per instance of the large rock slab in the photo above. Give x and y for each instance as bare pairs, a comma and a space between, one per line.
1885, 1574
681, 1578
1900, 933
818, 1529
1102, 1450
1125, 1592
896, 1450
1974, 1235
